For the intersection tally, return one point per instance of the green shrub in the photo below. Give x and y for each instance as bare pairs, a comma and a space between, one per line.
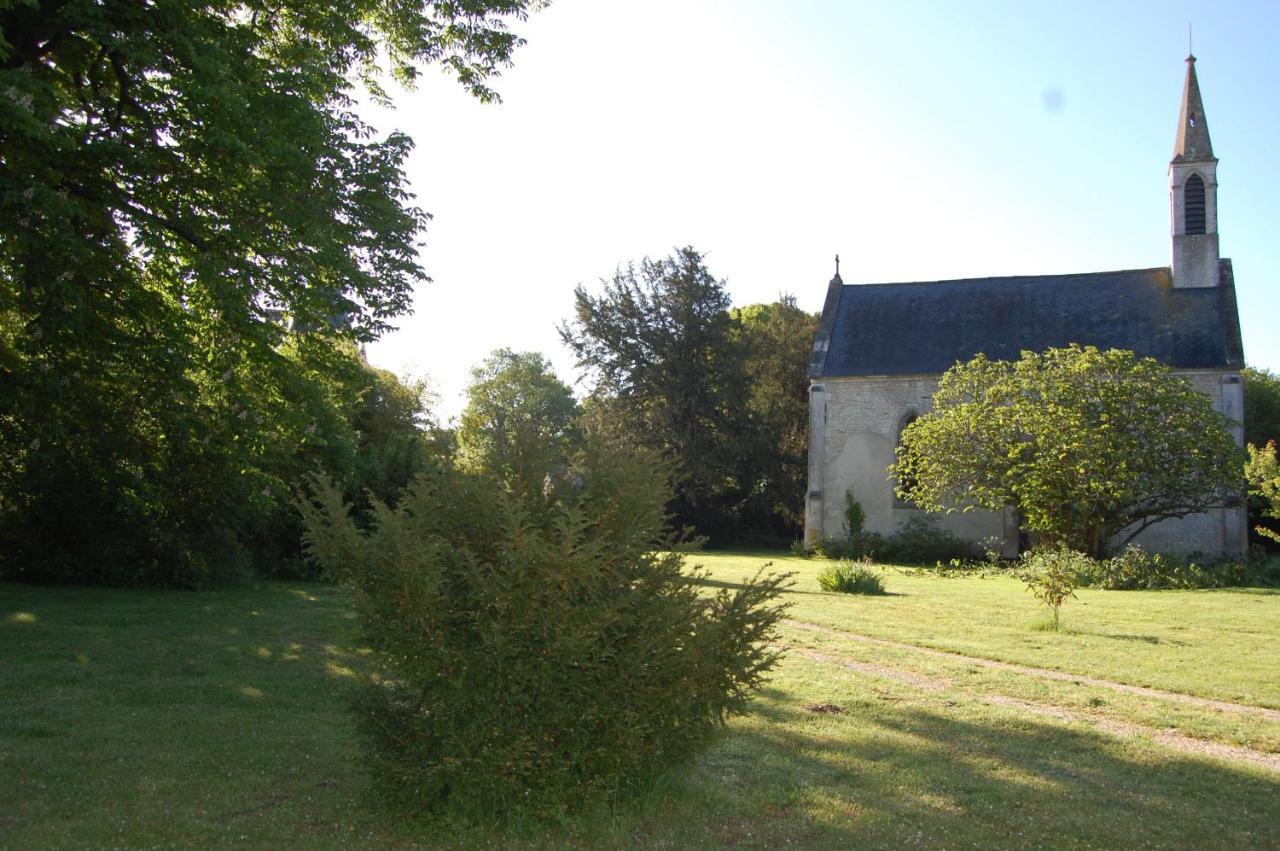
531, 657
799, 550
1136, 569
920, 540
1052, 575
854, 517
846, 577
835, 548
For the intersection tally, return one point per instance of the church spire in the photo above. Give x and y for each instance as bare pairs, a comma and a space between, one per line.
1192, 143
1193, 193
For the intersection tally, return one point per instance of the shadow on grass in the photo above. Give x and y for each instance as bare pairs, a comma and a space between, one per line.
720, 583
883, 775
1144, 639
163, 707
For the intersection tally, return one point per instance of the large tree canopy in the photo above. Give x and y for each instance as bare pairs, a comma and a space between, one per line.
520, 423
720, 392
1261, 406
659, 348
772, 461
194, 227
1085, 445
210, 151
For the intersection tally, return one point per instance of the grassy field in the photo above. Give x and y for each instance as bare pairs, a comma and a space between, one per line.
941, 715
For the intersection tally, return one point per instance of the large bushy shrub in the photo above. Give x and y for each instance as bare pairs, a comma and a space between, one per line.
532, 656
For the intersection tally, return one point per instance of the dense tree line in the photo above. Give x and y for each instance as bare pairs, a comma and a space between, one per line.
196, 230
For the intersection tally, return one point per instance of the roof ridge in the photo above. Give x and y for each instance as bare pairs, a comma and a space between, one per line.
993, 278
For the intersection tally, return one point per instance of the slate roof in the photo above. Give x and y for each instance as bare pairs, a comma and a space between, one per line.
925, 328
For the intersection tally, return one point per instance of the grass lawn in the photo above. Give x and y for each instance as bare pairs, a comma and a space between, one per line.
941, 715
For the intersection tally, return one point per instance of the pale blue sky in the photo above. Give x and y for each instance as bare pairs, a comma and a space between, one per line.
921, 141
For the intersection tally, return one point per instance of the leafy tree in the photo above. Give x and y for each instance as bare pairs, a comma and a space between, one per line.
1261, 406
1085, 445
395, 434
772, 456
1051, 576
370, 432
1263, 475
1261, 427
665, 365
194, 226
520, 423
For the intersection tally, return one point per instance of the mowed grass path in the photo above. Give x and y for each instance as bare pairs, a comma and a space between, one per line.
222, 718
1219, 643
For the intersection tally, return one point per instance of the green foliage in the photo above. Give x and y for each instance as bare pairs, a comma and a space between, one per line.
198, 492
1085, 445
772, 448
1261, 406
1261, 427
1262, 472
659, 347
1135, 569
195, 228
837, 548
1051, 575
845, 577
854, 517
520, 423
720, 393
375, 437
532, 658
919, 540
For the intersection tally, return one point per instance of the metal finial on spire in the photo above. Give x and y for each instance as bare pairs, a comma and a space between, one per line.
837, 264
1191, 54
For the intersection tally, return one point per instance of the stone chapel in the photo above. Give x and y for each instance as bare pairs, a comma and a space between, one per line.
881, 348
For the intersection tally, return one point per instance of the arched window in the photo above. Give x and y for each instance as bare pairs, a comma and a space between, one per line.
906, 484
1193, 204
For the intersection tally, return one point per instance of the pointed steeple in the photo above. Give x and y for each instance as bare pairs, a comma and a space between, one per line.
1193, 193
1192, 143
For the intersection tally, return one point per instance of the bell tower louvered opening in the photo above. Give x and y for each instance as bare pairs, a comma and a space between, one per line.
1193, 204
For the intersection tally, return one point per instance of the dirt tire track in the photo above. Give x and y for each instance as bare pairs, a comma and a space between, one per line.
1124, 729
1048, 674
1120, 729
896, 674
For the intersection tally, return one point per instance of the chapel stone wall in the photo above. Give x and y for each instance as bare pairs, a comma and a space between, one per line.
854, 431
